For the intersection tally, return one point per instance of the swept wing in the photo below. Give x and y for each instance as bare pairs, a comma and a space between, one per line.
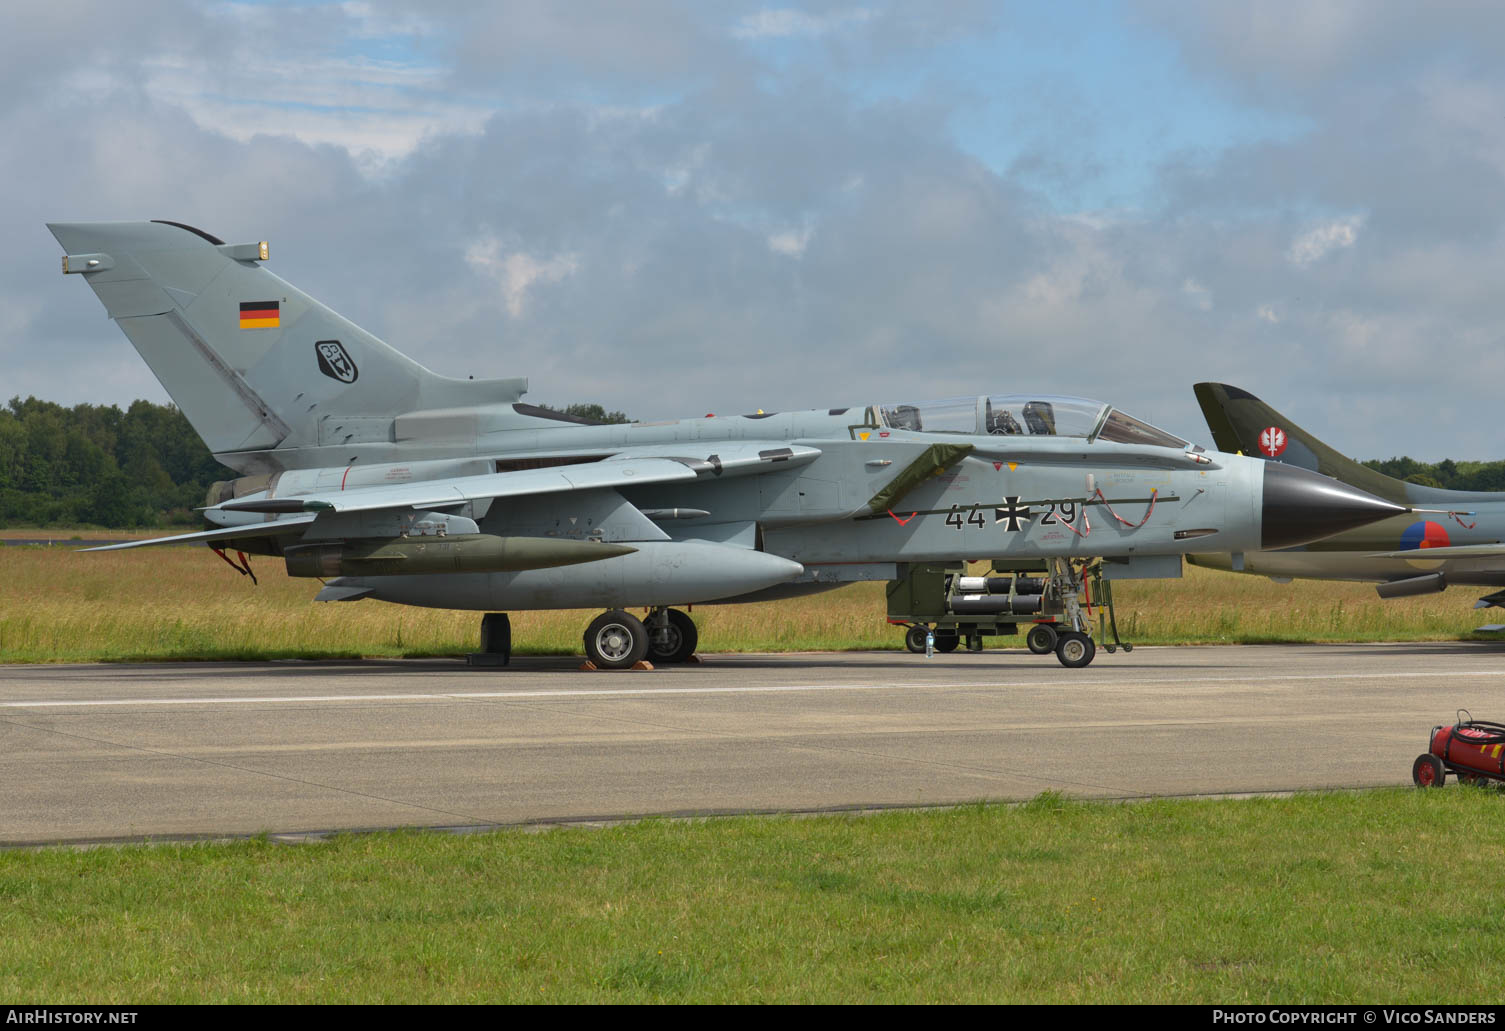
628, 469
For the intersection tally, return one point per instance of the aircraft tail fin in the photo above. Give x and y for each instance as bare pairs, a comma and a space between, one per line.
254, 363
1242, 423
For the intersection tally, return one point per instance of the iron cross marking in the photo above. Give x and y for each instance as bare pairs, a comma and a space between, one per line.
1013, 513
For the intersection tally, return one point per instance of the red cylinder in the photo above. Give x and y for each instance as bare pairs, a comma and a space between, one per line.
1472, 748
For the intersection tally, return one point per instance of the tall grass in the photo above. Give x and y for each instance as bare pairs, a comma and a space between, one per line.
57, 605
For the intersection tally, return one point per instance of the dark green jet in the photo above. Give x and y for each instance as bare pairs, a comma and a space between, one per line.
1447, 537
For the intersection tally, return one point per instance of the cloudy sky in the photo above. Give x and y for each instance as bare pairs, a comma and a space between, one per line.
675, 208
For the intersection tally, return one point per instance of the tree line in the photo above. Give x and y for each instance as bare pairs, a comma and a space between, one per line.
1447, 473
96, 465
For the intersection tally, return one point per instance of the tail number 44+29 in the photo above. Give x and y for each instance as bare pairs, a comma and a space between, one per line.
1014, 516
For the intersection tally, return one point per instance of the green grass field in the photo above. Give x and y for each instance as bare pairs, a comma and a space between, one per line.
1387, 896
57, 605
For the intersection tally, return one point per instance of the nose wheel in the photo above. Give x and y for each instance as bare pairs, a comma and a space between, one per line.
1075, 650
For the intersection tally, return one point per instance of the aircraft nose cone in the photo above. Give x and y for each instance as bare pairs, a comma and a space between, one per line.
1302, 506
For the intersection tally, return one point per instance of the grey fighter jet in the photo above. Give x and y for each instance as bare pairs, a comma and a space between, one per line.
361, 466
1446, 536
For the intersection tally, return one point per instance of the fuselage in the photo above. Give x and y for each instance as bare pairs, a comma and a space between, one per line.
822, 498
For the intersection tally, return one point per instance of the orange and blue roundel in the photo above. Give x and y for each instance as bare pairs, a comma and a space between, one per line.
1425, 534
260, 314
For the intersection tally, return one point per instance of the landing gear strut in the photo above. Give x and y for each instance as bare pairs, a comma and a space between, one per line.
1074, 646
672, 636
496, 641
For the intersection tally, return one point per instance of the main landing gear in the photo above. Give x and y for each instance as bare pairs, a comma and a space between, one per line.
614, 640
619, 640
672, 636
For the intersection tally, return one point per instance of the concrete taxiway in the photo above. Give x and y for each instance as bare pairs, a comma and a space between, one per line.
183, 750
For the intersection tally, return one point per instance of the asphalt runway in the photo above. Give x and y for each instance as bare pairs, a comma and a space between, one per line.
96, 752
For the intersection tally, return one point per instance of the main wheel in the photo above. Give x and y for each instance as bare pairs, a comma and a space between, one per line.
1427, 771
616, 640
914, 638
946, 640
1075, 650
1041, 639
673, 641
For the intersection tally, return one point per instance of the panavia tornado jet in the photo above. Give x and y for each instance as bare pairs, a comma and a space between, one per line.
362, 467
1445, 536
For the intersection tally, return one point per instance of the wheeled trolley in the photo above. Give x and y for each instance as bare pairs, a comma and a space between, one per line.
1471, 750
941, 606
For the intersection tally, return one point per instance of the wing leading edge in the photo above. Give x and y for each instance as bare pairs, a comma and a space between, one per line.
624, 470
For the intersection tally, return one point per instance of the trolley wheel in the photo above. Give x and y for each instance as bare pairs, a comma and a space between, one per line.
1427, 771
914, 638
947, 640
1075, 650
1041, 639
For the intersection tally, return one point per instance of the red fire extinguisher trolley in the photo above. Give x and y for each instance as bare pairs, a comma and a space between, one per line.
1471, 750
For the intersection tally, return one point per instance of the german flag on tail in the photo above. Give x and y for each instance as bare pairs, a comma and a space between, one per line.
260, 314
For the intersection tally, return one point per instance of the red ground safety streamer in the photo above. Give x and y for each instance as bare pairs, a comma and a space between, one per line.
1085, 522
1133, 526
221, 553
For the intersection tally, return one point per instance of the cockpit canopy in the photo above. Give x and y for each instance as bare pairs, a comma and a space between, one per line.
1027, 415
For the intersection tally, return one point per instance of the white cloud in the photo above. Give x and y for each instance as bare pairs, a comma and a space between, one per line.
1317, 243
377, 110
791, 243
518, 272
